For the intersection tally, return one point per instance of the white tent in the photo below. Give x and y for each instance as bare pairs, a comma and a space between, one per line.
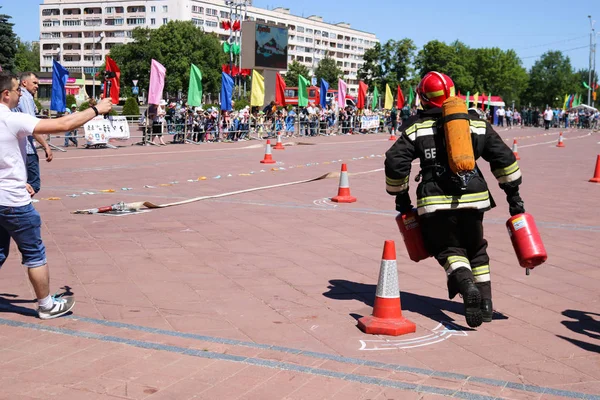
584, 107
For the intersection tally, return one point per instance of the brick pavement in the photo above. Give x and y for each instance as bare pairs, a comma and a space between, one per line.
255, 296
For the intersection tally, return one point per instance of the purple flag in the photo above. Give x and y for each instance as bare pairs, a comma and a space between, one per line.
342, 87
157, 82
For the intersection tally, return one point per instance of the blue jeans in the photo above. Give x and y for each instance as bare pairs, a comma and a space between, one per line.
23, 225
33, 171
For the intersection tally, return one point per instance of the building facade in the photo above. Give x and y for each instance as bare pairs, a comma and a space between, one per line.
79, 34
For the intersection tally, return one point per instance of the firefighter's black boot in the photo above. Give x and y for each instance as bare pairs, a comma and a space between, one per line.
461, 281
487, 311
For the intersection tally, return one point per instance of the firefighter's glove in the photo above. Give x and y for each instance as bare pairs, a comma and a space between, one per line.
515, 204
403, 203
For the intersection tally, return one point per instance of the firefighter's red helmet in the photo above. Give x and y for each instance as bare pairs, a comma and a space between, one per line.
434, 88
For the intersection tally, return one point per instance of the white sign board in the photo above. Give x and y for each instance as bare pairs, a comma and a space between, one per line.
369, 122
99, 130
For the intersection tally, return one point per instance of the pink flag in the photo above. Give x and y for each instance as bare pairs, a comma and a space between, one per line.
342, 87
157, 82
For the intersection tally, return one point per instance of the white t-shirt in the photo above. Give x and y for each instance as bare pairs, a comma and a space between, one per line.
14, 129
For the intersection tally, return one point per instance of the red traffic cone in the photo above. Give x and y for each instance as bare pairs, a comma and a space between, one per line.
343, 195
387, 316
268, 157
392, 136
560, 141
596, 178
515, 149
279, 144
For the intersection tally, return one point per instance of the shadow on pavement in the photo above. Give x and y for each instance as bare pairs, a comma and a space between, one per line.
584, 324
431, 307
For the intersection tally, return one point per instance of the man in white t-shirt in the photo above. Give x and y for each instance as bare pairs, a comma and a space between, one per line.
18, 219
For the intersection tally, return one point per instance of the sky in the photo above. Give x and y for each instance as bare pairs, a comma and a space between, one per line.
530, 27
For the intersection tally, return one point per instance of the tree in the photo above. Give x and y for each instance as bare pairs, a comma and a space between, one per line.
329, 71
295, 69
498, 72
8, 43
452, 60
371, 70
70, 101
27, 57
131, 107
550, 78
175, 45
396, 59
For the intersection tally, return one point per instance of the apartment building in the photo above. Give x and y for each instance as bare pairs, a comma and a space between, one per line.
79, 34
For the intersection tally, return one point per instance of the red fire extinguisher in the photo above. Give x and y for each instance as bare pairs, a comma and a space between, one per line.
526, 241
413, 238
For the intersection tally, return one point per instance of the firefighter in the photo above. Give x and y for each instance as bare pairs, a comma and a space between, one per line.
451, 206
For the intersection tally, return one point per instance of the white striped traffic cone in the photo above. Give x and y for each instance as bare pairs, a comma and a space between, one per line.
279, 144
268, 157
515, 149
387, 316
343, 195
560, 141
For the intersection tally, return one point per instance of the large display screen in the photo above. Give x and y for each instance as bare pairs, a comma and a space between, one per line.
271, 47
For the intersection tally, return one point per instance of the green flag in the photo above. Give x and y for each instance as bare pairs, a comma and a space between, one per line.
226, 47
303, 85
411, 97
585, 85
468, 95
375, 98
195, 88
235, 49
489, 101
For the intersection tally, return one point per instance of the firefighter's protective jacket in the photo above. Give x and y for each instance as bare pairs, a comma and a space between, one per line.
422, 136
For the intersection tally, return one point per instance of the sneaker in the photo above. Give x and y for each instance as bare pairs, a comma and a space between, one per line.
472, 300
62, 305
487, 310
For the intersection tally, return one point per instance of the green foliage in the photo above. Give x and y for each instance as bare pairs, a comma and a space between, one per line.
371, 70
329, 71
295, 69
131, 107
27, 57
175, 45
241, 103
8, 43
83, 106
38, 105
70, 101
550, 78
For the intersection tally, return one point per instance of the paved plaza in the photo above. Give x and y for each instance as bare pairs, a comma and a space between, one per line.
257, 295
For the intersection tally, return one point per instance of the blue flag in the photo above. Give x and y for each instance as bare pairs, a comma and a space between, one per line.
324, 88
58, 96
226, 91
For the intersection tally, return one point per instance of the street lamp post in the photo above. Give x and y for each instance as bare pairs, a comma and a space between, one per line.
589, 102
94, 57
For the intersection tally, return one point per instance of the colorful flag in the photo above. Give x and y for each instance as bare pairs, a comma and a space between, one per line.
483, 101
279, 90
400, 98
374, 102
195, 87
475, 99
324, 89
157, 82
566, 102
489, 102
58, 96
226, 91
467, 99
389, 98
303, 84
585, 85
411, 97
342, 88
257, 94
418, 101
115, 83
362, 95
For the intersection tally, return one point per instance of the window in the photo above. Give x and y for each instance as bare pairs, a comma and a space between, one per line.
165, 21
197, 10
114, 21
211, 11
309, 31
197, 22
53, 11
300, 29
50, 35
136, 21
72, 22
152, 8
309, 40
152, 21
212, 24
325, 34
300, 38
109, 10
224, 14
136, 9
165, 8
260, 20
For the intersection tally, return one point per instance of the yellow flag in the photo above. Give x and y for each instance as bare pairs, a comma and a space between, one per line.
389, 98
475, 99
257, 95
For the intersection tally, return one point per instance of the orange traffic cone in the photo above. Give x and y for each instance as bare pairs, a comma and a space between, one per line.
560, 141
392, 136
268, 157
596, 178
515, 149
387, 316
343, 195
279, 144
